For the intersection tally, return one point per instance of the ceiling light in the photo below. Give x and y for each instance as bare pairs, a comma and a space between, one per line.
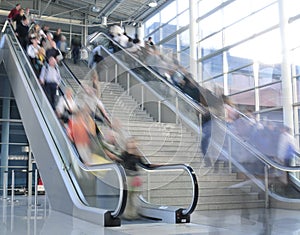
96, 9
152, 3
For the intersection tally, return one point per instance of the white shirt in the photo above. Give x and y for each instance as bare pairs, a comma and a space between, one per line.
64, 103
32, 51
50, 74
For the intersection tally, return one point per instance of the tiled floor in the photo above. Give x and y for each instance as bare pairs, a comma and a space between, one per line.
22, 217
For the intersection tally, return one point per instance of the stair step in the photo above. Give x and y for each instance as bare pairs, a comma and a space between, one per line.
232, 205
174, 143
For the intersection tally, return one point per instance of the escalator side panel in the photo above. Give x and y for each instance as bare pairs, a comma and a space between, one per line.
60, 191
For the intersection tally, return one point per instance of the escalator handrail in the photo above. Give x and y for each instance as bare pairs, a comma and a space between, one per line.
168, 167
198, 107
219, 120
119, 169
192, 175
257, 154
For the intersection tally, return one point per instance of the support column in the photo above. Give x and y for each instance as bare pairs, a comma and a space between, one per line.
85, 32
5, 130
140, 31
193, 33
287, 97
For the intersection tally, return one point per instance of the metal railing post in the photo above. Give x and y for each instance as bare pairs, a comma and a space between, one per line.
116, 73
142, 94
5, 180
229, 154
128, 83
177, 109
12, 186
106, 75
159, 111
35, 187
266, 187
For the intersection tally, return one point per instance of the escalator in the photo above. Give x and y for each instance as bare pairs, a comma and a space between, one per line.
167, 103
95, 193
71, 187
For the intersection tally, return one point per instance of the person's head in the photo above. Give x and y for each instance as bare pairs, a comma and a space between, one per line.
27, 10
49, 36
36, 27
22, 12
150, 39
45, 28
58, 31
18, 6
34, 40
53, 44
52, 61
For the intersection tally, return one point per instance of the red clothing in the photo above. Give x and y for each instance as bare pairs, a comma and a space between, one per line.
13, 13
79, 132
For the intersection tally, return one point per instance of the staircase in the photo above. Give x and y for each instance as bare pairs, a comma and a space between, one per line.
174, 143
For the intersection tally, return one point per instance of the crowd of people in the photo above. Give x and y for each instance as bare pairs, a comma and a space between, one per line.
45, 51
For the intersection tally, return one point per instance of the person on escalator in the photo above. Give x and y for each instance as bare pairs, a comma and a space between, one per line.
131, 159
75, 47
22, 33
13, 13
50, 79
66, 106
285, 152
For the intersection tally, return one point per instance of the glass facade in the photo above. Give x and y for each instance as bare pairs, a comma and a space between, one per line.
249, 49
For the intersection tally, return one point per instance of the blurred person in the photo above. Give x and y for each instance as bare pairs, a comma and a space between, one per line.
75, 47
95, 104
230, 112
32, 52
131, 158
285, 155
35, 31
96, 83
43, 32
189, 87
19, 18
22, 33
96, 56
66, 106
286, 146
29, 16
13, 13
135, 47
150, 42
57, 35
62, 45
41, 59
80, 130
122, 39
50, 80
47, 42
53, 51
